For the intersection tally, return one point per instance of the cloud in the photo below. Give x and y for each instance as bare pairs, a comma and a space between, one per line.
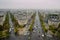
50, 4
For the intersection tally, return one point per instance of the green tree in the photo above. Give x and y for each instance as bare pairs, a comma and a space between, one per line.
6, 22
1, 28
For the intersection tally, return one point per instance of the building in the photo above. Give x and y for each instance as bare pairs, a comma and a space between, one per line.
23, 16
2, 17
53, 19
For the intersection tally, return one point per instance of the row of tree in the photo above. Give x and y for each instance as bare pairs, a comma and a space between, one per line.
42, 22
4, 29
31, 25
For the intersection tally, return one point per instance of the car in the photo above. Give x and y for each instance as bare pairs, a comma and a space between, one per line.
49, 35
27, 33
35, 26
34, 31
10, 30
42, 35
28, 37
38, 35
13, 28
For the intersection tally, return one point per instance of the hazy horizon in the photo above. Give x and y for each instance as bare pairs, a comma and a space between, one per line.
30, 4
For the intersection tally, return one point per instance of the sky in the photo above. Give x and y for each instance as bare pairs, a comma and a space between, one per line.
30, 4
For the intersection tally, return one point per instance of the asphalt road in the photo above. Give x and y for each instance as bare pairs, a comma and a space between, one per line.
12, 34
37, 32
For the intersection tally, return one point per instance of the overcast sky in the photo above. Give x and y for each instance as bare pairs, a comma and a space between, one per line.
33, 4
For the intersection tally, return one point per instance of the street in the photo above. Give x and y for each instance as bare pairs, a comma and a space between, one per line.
37, 35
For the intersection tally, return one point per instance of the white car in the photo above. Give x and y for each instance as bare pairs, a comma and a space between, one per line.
27, 33
49, 35
10, 30
34, 31
42, 35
